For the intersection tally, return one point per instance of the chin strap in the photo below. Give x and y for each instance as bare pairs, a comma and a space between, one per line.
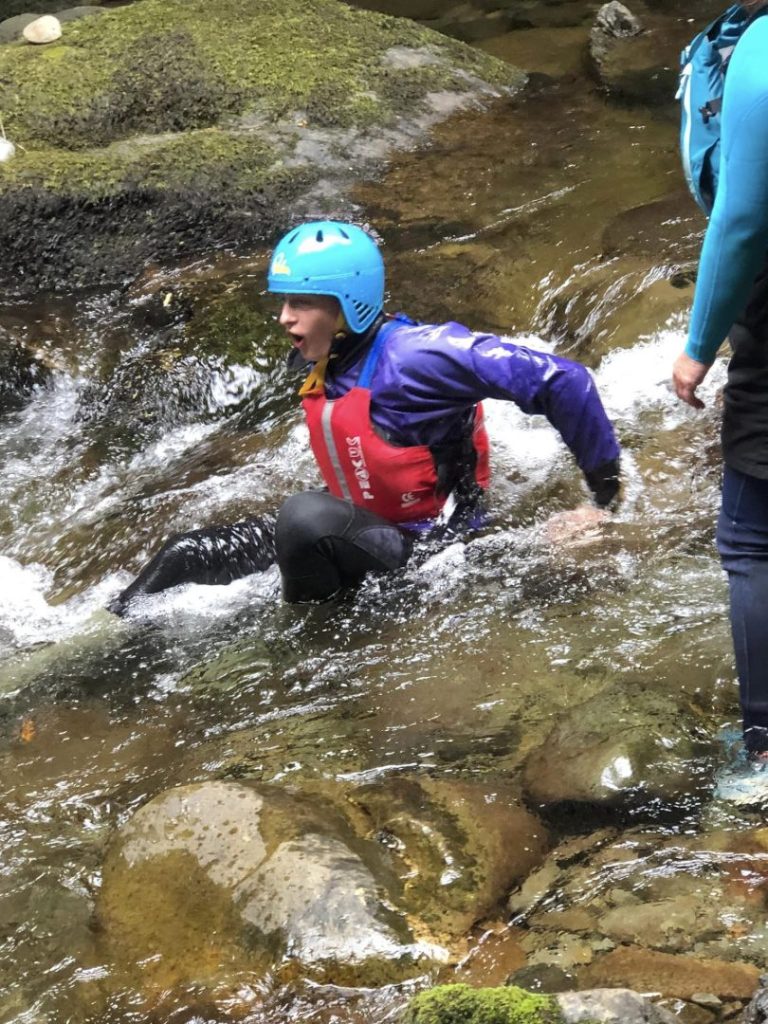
315, 381
346, 347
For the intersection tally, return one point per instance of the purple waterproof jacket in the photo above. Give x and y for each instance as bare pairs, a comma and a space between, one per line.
429, 376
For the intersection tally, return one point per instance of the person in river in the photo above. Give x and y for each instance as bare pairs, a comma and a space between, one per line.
724, 136
395, 425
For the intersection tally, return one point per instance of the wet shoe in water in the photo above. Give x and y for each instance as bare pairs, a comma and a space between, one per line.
744, 782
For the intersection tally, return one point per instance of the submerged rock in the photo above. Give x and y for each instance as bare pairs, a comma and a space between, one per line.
203, 355
652, 913
679, 976
213, 879
612, 1006
628, 746
460, 846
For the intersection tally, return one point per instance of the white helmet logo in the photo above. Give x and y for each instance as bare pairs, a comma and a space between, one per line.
280, 264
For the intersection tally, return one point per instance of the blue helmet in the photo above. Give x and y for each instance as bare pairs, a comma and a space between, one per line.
330, 258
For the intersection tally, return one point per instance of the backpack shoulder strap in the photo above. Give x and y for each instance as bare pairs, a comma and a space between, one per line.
714, 106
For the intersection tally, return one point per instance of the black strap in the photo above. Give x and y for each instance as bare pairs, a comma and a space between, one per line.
710, 109
713, 107
456, 462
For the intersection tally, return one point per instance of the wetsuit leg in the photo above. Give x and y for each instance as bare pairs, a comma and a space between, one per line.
742, 540
324, 543
216, 555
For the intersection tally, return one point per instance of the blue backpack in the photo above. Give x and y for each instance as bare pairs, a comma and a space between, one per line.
704, 63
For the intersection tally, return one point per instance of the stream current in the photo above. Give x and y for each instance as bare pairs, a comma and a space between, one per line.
558, 219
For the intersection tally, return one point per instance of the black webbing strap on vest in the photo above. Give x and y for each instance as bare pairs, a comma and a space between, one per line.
455, 464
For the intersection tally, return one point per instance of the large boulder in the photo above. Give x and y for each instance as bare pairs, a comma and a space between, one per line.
210, 880
171, 126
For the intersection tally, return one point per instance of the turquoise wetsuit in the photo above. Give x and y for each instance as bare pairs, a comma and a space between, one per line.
736, 242
732, 300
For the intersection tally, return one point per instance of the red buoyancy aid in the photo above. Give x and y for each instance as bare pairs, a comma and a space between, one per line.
398, 484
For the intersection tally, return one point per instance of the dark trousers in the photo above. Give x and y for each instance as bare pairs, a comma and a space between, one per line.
742, 540
320, 543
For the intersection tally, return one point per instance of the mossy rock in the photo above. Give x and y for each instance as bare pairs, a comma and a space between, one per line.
169, 126
460, 1004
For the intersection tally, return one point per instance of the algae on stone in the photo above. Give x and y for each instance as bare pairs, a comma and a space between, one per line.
175, 65
461, 1004
174, 126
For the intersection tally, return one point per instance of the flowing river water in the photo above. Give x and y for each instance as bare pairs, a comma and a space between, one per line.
557, 218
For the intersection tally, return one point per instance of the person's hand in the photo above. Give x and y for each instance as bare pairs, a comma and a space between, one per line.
577, 526
687, 374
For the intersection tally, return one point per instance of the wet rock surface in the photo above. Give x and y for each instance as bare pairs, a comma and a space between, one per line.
681, 976
682, 917
757, 1010
461, 845
21, 371
219, 877
611, 1006
627, 746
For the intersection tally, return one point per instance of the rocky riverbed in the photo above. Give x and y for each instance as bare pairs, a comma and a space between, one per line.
497, 767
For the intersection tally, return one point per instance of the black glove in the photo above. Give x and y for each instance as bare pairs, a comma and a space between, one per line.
605, 484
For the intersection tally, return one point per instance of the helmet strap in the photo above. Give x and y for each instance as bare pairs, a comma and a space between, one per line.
342, 327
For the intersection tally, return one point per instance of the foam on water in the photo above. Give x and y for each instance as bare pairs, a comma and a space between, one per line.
631, 380
189, 605
26, 617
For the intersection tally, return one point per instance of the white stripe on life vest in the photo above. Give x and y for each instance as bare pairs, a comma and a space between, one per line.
333, 453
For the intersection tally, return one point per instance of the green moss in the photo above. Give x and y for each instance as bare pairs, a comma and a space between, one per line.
232, 329
209, 160
460, 1004
171, 126
174, 65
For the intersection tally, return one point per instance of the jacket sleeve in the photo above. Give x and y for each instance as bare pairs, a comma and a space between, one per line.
736, 240
478, 366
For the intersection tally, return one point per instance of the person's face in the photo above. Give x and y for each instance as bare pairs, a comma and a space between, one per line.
311, 321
